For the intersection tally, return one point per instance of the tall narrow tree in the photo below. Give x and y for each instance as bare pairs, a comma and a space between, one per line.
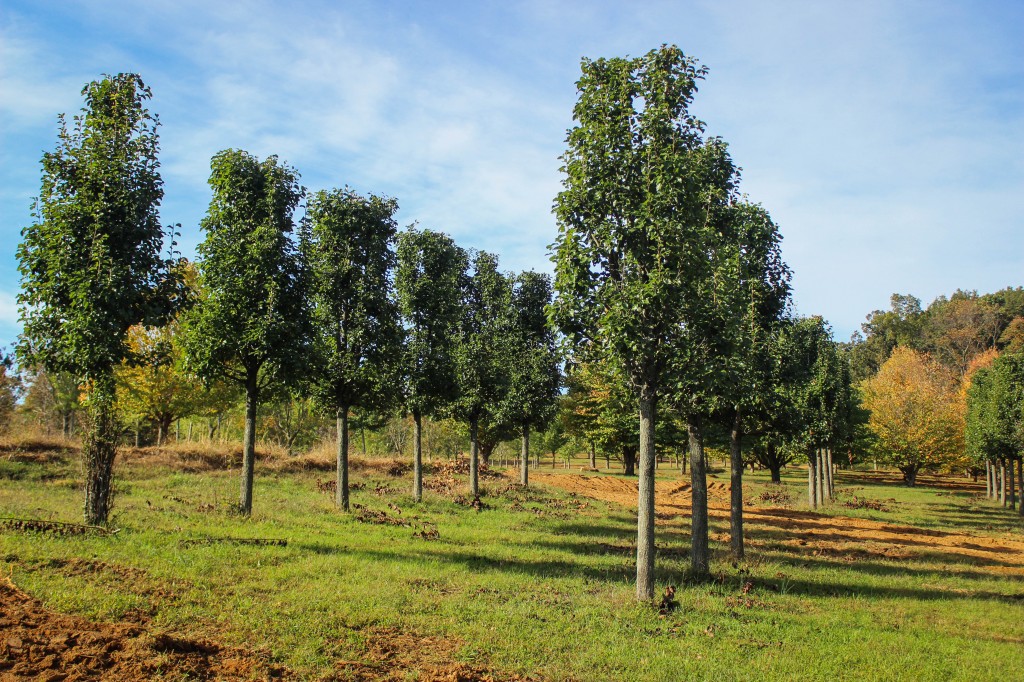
91, 264
357, 337
483, 351
249, 325
757, 294
534, 373
634, 234
430, 279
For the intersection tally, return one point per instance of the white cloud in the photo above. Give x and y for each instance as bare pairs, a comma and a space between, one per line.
884, 138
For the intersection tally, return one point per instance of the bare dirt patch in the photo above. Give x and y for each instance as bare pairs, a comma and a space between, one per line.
391, 655
808, 531
39, 644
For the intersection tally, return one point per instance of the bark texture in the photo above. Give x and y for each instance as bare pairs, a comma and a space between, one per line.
645, 503
1013, 489
341, 494
474, 459
249, 444
812, 477
699, 559
98, 451
736, 493
1020, 478
417, 456
524, 458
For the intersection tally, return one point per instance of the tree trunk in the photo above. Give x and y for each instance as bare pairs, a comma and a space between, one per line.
99, 450
821, 475
812, 476
593, 456
417, 456
486, 449
159, 433
629, 461
474, 459
248, 444
524, 458
1020, 478
910, 476
699, 558
1002, 481
776, 473
989, 488
189, 436
645, 500
65, 424
341, 491
1013, 490
736, 497
830, 486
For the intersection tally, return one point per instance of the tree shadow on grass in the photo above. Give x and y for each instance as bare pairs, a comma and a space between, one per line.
625, 571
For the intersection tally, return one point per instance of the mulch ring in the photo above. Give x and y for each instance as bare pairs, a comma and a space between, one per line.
39, 644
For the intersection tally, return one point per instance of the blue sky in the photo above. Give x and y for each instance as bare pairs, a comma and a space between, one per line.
886, 138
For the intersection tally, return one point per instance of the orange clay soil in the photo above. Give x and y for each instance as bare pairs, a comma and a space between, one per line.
39, 644
807, 532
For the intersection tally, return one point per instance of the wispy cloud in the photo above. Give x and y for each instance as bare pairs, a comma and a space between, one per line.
884, 138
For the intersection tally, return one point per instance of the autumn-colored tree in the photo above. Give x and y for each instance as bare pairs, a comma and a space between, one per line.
153, 387
916, 413
960, 328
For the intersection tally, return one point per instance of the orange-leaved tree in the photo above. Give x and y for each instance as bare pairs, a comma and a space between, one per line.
917, 413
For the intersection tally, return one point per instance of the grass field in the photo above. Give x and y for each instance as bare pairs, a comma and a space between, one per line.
887, 583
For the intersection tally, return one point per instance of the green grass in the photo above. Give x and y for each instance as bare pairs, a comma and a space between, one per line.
549, 594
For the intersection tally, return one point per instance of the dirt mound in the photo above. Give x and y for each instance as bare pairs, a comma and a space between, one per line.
39, 644
38, 450
188, 457
835, 536
197, 457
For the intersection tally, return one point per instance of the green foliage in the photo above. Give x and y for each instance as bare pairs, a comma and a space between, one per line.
808, 399
484, 343
357, 338
91, 264
249, 319
533, 362
429, 282
882, 332
995, 410
599, 409
754, 293
633, 231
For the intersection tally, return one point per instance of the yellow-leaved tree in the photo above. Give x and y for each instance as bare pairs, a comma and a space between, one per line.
917, 413
153, 388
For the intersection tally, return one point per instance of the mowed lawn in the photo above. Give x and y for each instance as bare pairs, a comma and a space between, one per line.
538, 583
